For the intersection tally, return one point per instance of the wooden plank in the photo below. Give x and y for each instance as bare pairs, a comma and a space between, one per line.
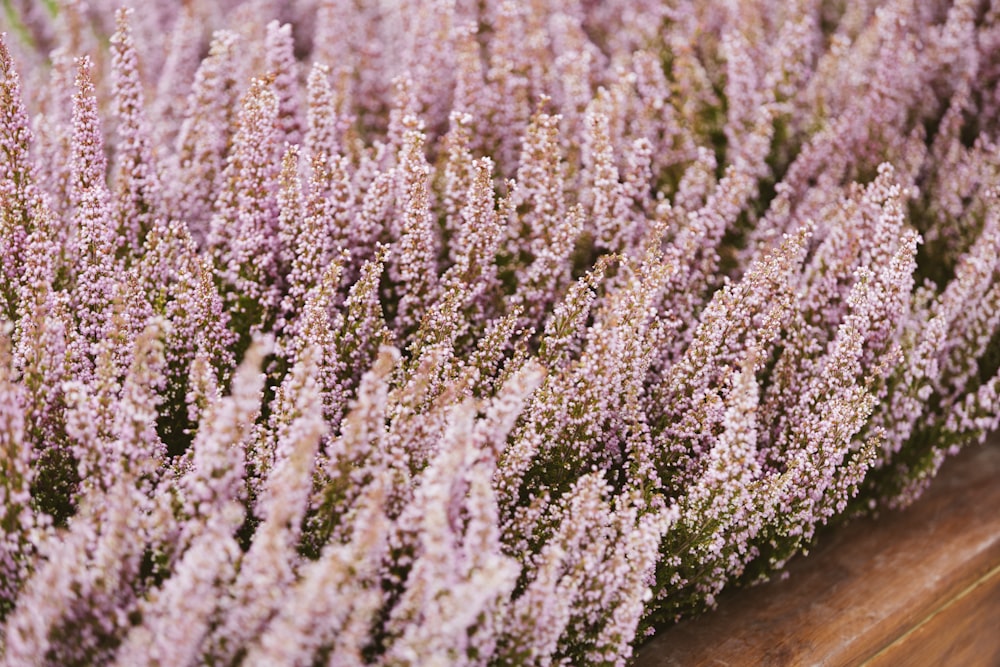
910, 574
966, 631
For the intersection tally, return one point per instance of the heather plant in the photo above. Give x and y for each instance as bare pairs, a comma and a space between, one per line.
491, 333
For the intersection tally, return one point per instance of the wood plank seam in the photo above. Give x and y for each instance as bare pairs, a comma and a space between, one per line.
971, 588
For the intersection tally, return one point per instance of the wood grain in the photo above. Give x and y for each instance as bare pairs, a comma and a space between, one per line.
966, 631
912, 587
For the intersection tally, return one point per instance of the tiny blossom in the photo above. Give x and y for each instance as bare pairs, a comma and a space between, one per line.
471, 93
280, 56
183, 51
266, 569
364, 328
458, 577
291, 208
539, 186
351, 459
476, 243
137, 182
212, 486
243, 230
427, 53
204, 135
744, 92
92, 217
455, 177
335, 592
101, 541
178, 618
549, 274
507, 77
15, 471
17, 187
608, 205
324, 136
416, 265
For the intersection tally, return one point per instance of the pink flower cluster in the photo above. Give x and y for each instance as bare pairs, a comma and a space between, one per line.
472, 332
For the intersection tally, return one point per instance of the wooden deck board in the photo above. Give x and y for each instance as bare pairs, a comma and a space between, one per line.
919, 586
963, 632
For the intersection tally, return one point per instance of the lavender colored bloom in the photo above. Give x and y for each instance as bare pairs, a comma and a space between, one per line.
472, 333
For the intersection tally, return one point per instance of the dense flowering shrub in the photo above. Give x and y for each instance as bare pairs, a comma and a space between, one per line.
449, 332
